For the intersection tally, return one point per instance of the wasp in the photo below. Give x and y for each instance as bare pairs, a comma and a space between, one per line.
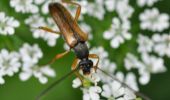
75, 39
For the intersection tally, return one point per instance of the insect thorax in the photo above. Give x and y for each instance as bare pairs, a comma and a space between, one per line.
81, 50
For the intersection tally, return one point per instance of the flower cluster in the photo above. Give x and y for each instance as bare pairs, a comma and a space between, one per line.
26, 60
149, 64
118, 32
35, 21
152, 20
158, 43
24, 6
142, 3
9, 64
119, 29
7, 24
111, 89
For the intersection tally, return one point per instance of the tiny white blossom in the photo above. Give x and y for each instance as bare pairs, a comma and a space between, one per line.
152, 20
30, 53
162, 44
91, 93
145, 44
114, 90
150, 64
45, 5
38, 2
118, 32
131, 61
24, 6
76, 83
104, 63
124, 10
7, 24
150, 3
87, 29
96, 9
40, 72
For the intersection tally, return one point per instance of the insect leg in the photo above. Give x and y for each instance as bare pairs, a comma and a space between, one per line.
73, 67
58, 56
48, 30
78, 9
96, 57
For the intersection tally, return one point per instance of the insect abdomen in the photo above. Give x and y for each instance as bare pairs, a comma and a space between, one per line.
61, 21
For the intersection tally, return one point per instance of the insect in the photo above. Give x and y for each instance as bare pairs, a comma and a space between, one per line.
75, 39
73, 36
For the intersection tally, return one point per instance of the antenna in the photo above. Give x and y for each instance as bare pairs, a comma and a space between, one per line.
55, 83
124, 84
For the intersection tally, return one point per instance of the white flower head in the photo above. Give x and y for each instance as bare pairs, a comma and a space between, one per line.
124, 10
39, 72
91, 93
104, 63
10, 62
131, 61
96, 9
118, 32
45, 5
114, 90
87, 29
30, 53
150, 65
152, 20
161, 44
150, 3
145, 44
7, 24
24, 6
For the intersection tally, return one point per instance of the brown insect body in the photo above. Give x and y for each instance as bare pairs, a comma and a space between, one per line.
69, 28
72, 34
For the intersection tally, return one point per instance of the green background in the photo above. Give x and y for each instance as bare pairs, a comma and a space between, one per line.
14, 89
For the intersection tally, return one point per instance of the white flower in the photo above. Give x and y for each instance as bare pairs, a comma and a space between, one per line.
131, 61
35, 21
104, 63
24, 6
38, 2
7, 24
150, 64
91, 93
9, 63
161, 44
40, 72
150, 3
110, 5
152, 20
30, 54
114, 90
76, 83
118, 32
124, 10
145, 44
87, 29
45, 5
96, 9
